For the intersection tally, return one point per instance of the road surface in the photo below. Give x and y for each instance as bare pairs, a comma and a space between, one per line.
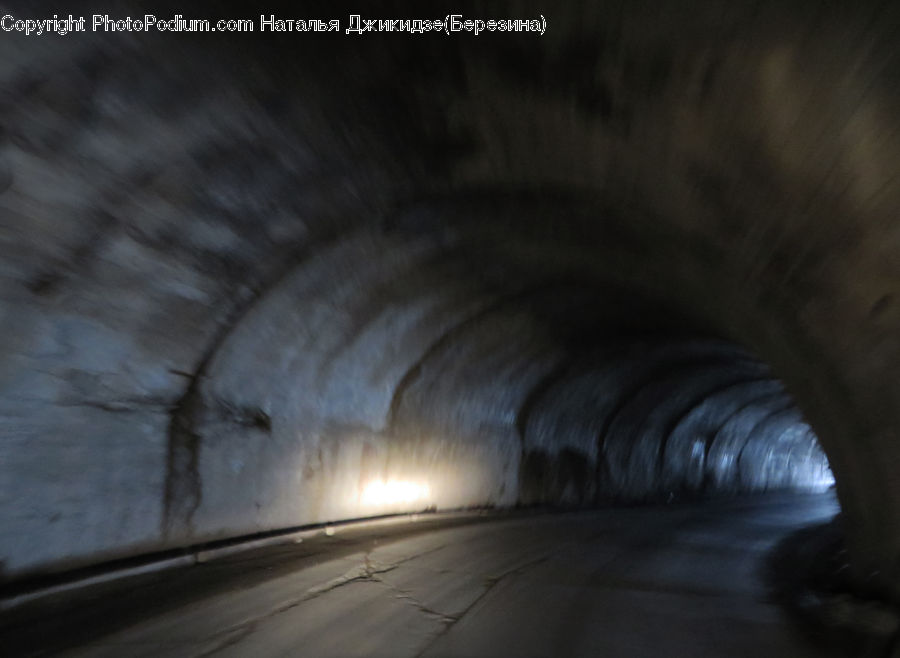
678, 580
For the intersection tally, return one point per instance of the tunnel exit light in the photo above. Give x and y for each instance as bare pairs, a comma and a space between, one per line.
824, 480
394, 492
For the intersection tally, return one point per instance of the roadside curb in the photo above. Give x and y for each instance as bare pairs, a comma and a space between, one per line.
203, 553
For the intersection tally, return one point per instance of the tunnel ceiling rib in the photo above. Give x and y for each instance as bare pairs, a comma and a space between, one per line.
690, 438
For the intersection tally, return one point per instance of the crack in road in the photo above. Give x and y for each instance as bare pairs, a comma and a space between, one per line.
407, 597
491, 583
366, 572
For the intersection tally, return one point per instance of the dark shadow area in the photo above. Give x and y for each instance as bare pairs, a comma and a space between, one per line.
810, 575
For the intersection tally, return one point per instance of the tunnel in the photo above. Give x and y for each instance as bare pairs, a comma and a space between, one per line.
619, 256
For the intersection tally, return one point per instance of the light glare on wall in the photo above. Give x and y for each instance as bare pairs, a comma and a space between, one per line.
394, 492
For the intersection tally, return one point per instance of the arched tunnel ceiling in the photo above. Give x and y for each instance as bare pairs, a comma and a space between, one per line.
513, 270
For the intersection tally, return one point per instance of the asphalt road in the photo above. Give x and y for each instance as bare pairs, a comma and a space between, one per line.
680, 580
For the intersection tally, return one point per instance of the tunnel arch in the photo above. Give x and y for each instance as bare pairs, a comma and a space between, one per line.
330, 227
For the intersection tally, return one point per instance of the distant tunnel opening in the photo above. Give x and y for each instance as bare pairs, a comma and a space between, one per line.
664, 421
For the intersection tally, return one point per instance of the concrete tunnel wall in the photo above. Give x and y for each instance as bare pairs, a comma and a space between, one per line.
239, 283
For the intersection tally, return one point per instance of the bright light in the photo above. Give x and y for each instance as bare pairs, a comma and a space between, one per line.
825, 479
394, 492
